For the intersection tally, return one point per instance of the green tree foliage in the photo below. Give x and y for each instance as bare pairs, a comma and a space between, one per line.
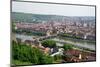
49, 43
13, 26
57, 57
28, 32
24, 53
67, 46
69, 35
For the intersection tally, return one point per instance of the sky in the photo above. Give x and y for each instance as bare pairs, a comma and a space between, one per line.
53, 9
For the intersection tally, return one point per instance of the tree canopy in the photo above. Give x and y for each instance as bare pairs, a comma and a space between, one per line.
49, 43
67, 46
25, 53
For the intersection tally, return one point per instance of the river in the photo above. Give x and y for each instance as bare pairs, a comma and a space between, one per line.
60, 41
79, 43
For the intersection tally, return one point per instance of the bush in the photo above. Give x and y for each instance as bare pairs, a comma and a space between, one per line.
49, 43
67, 46
69, 35
24, 53
57, 57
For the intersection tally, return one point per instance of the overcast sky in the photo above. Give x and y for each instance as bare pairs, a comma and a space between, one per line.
54, 9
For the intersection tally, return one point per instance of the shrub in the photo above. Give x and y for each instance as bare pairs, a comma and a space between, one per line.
25, 53
49, 43
67, 46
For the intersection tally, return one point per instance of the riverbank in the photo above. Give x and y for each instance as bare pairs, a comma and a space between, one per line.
82, 44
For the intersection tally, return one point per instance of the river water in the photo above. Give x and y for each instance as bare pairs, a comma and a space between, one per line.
79, 43
60, 41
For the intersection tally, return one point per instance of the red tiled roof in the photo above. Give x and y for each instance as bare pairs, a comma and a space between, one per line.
72, 52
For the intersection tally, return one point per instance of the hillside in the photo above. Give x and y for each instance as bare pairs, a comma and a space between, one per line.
28, 17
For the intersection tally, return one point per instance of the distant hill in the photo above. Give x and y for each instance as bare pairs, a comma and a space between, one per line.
28, 17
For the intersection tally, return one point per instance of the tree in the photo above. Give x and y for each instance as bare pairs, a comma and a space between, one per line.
49, 43
57, 57
67, 46
25, 53
13, 26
